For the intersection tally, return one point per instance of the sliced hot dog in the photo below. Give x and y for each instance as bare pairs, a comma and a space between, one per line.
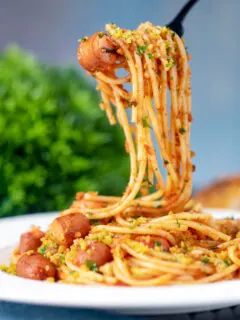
97, 52
35, 266
69, 227
30, 241
96, 252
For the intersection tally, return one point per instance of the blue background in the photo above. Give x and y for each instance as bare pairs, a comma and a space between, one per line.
50, 29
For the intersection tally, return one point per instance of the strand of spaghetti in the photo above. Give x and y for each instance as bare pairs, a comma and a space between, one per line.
131, 64
121, 221
185, 268
157, 172
139, 272
184, 129
183, 197
233, 256
85, 274
184, 216
161, 265
162, 111
218, 276
163, 121
189, 102
122, 93
156, 195
173, 81
108, 109
204, 229
110, 199
174, 112
140, 86
159, 140
102, 86
130, 142
229, 243
146, 211
90, 275
99, 200
169, 206
137, 230
140, 133
171, 225
150, 267
101, 76
163, 279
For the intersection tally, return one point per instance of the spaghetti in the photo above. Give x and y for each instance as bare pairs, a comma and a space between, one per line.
154, 234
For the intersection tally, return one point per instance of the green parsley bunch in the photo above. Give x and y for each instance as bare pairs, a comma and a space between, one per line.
54, 140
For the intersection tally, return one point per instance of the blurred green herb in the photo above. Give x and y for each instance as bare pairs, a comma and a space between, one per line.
54, 139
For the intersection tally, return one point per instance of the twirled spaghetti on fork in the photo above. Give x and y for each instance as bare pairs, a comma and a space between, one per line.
154, 234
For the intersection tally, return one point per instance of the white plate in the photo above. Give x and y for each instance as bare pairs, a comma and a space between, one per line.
151, 300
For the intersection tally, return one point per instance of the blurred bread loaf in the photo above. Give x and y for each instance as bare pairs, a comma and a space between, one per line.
222, 193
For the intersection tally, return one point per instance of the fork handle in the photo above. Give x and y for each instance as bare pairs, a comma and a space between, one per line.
183, 12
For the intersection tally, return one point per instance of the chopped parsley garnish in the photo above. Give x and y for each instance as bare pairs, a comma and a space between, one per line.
82, 39
167, 50
173, 35
72, 272
90, 213
166, 162
135, 217
141, 50
182, 130
127, 57
94, 222
171, 62
178, 223
101, 35
42, 250
227, 262
157, 243
145, 123
150, 56
92, 265
205, 260
62, 259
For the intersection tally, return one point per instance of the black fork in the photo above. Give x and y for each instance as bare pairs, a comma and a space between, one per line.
176, 24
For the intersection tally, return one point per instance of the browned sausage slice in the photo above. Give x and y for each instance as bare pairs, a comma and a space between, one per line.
96, 251
35, 266
69, 227
30, 241
97, 52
